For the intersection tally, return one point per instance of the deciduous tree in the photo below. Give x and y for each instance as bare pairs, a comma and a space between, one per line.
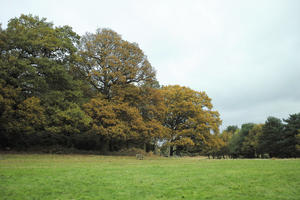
250, 145
189, 116
111, 63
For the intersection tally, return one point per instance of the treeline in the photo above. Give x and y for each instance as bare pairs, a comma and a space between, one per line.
94, 92
274, 138
99, 92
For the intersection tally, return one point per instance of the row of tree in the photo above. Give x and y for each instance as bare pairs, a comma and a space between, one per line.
95, 92
274, 138
99, 92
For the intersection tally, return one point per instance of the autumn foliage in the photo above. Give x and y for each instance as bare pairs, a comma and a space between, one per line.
95, 92
99, 92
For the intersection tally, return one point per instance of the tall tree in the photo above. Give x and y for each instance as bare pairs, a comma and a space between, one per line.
271, 134
111, 63
288, 141
244, 132
125, 81
236, 147
189, 116
37, 58
250, 145
226, 137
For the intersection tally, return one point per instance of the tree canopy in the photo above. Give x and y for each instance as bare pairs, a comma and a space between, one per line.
189, 116
100, 92
111, 63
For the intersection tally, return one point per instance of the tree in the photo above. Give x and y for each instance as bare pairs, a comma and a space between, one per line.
298, 143
114, 121
36, 56
214, 146
37, 59
250, 145
231, 129
288, 141
152, 109
188, 117
271, 133
41, 94
111, 63
234, 145
226, 137
128, 107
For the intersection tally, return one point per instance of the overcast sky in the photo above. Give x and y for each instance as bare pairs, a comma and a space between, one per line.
244, 54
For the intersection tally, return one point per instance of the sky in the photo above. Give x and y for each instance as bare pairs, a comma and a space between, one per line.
244, 54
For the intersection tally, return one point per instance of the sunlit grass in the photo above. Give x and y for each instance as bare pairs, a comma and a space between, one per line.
106, 177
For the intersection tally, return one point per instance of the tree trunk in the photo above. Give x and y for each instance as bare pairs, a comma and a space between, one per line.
110, 146
155, 149
171, 150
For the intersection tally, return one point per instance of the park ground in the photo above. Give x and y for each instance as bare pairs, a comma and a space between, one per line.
46, 176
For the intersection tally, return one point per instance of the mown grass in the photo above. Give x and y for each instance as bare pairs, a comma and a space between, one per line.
105, 177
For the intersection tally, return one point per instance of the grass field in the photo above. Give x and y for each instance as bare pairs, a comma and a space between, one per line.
104, 177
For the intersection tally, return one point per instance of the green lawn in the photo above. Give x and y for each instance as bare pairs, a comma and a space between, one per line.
105, 177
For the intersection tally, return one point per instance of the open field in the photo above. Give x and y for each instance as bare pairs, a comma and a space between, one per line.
105, 177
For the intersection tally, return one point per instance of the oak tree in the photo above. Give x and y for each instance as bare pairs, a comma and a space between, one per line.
111, 63
189, 116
